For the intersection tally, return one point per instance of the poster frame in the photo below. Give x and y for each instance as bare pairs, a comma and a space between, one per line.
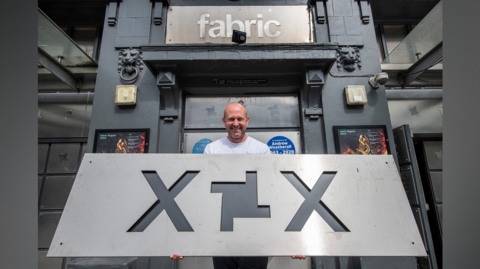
336, 129
126, 130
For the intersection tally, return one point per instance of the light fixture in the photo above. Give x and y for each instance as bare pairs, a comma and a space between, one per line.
239, 37
125, 95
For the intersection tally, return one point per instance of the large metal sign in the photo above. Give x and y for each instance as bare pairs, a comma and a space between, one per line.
215, 24
236, 205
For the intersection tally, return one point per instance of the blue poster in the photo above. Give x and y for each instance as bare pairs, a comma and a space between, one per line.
200, 146
281, 145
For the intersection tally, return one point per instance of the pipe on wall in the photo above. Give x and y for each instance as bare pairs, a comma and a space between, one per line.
66, 98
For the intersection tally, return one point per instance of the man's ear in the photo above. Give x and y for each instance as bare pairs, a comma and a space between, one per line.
248, 119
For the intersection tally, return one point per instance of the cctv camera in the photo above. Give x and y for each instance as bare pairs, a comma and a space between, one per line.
379, 79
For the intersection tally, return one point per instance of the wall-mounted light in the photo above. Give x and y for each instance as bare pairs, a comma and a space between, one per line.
126, 95
239, 37
356, 95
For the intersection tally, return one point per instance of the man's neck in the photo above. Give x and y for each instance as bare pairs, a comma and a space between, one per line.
238, 140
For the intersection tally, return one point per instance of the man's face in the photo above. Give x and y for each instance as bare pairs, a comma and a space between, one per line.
236, 121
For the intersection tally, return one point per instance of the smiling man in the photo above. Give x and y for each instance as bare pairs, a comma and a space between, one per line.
236, 121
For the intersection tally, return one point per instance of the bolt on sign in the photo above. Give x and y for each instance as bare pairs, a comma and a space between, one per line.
262, 24
236, 205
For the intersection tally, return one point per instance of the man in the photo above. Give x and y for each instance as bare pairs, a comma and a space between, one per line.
236, 121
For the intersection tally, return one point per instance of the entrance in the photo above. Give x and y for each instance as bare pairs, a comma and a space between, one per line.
274, 120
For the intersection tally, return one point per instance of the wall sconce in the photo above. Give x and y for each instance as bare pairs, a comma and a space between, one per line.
126, 95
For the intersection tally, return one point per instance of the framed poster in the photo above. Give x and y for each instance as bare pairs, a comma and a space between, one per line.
361, 139
121, 141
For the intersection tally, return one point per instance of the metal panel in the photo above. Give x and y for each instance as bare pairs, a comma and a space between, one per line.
111, 193
440, 213
419, 220
39, 184
104, 263
387, 263
48, 263
196, 263
437, 184
42, 157
415, 94
55, 191
63, 158
406, 173
401, 145
423, 116
63, 120
288, 263
273, 263
424, 263
434, 154
277, 111
195, 140
266, 24
84, 150
47, 223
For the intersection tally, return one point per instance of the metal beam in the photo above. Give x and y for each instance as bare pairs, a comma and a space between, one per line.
414, 94
59, 70
421, 65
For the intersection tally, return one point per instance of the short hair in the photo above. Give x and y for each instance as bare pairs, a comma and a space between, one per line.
246, 115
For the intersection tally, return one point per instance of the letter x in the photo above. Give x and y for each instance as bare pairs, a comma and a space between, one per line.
165, 202
313, 202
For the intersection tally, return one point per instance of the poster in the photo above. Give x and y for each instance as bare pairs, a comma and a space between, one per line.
361, 140
120, 142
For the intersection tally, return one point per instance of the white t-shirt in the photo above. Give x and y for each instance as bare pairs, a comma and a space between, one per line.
225, 146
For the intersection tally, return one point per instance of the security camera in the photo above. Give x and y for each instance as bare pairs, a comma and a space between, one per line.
379, 79
239, 37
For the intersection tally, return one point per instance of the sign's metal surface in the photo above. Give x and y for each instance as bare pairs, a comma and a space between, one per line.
112, 191
215, 24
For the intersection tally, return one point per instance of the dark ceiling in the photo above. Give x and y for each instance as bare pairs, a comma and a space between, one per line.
92, 12
401, 10
75, 12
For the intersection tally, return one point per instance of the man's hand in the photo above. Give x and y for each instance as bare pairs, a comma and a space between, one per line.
176, 257
300, 257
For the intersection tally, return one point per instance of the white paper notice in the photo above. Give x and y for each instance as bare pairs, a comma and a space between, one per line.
357, 98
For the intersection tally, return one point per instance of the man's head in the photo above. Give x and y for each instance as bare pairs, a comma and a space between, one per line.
235, 120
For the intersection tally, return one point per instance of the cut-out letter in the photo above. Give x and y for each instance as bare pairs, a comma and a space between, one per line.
165, 202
